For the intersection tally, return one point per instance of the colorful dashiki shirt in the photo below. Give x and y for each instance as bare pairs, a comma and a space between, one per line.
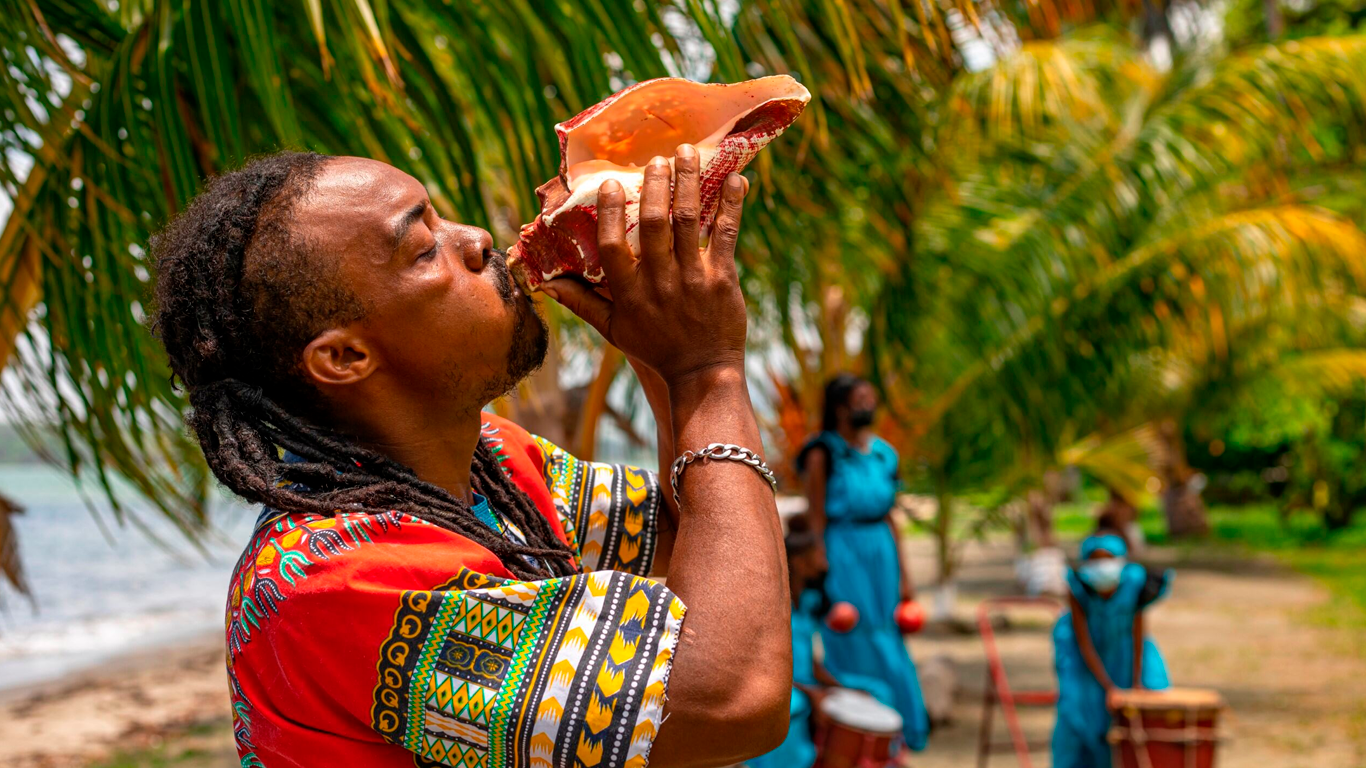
381, 640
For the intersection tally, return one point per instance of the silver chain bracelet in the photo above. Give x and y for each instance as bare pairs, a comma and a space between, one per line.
718, 452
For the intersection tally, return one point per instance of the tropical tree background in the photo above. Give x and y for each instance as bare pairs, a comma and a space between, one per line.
1119, 237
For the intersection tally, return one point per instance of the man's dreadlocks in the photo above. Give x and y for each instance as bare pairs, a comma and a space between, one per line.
238, 297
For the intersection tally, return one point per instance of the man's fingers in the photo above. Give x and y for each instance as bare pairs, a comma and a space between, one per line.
613, 249
726, 230
583, 301
687, 206
655, 237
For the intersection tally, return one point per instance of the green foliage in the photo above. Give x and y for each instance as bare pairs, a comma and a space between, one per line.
124, 108
1117, 239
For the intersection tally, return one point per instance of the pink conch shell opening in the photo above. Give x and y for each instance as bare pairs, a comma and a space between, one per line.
616, 138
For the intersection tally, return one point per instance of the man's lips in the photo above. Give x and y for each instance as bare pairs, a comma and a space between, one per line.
509, 288
517, 268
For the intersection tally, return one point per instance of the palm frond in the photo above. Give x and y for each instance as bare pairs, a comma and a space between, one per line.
124, 112
1062, 364
1080, 80
1326, 371
1123, 461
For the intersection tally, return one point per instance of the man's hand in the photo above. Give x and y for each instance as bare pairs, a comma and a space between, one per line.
677, 308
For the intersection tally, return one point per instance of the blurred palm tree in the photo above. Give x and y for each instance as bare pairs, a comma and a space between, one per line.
1098, 212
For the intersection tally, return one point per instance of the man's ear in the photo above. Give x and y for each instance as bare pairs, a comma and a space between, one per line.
338, 357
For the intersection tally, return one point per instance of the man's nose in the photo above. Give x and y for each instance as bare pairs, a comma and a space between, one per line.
475, 246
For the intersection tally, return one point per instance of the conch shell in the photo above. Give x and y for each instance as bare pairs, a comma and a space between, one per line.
616, 138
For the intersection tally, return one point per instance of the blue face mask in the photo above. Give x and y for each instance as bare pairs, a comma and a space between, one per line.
1102, 575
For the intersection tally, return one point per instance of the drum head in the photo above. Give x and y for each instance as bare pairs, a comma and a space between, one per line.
1171, 698
857, 709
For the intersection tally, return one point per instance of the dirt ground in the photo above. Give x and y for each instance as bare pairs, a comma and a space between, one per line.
1295, 686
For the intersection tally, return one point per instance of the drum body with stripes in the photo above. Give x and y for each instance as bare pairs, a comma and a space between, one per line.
854, 730
1174, 728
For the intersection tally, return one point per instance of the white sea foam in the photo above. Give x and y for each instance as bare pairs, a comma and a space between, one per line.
101, 635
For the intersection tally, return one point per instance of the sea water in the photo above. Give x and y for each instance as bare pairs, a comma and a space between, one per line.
99, 592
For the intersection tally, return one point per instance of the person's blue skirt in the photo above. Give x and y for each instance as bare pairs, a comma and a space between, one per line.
864, 571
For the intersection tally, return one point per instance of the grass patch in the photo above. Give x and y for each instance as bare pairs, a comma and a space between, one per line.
1337, 559
205, 745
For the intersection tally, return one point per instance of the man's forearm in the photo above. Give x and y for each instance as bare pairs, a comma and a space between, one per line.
657, 395
734, 659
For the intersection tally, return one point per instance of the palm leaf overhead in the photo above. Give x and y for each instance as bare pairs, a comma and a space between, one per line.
122, 114
1121, 461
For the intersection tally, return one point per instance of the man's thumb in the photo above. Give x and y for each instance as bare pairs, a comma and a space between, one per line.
582, 301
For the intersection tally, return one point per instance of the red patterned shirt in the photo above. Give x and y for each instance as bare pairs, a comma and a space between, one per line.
382, 640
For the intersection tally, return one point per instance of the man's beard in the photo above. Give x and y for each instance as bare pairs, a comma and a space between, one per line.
530, 335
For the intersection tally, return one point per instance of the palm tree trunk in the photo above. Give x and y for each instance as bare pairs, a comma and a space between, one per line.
1155, 22
11, 567
595, 404
1181, 502
1275, 20
945, 589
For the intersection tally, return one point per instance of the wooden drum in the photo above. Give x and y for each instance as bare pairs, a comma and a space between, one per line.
1175, 728
854, 730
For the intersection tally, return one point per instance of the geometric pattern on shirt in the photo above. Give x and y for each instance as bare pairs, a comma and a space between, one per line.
283, 549
610, 511
567, 672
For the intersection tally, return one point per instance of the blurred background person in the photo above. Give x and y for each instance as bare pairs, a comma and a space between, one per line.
1100, 646
851, 480
1119, 513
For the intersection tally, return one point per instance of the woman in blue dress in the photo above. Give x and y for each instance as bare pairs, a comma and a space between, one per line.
851, 483
1100, 647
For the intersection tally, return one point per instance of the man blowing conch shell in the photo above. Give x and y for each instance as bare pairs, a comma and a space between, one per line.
427, 583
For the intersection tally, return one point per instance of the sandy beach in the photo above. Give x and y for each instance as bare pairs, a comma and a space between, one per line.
132, 702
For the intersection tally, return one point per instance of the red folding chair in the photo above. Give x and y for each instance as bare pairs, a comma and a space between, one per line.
998, 690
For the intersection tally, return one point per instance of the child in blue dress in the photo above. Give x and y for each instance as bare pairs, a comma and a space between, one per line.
1100, 647
811, 681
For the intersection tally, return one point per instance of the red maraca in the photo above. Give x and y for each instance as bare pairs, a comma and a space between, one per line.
842, 617
910, 617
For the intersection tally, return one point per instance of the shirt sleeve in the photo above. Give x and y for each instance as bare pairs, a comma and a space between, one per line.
610, 512
564, 671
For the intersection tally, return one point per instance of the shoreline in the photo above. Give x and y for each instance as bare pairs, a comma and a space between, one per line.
120, 663
128, 700
57, 668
